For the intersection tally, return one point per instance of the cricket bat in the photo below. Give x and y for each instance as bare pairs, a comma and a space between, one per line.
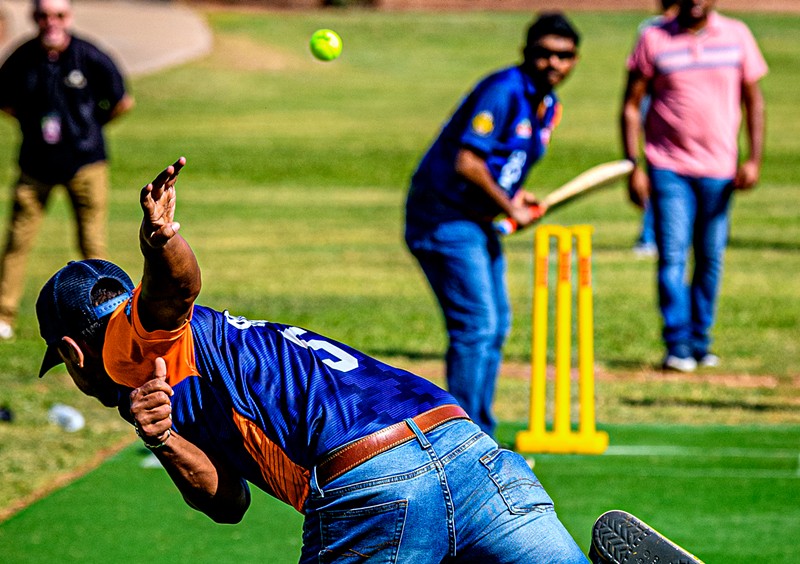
596, 177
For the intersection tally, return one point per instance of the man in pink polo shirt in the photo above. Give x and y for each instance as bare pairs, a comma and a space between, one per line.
700, 68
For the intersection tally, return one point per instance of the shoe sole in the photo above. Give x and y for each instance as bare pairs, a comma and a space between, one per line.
620, 538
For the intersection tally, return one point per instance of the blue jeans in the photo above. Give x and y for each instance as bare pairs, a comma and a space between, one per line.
450, 495
690, 213
466, 269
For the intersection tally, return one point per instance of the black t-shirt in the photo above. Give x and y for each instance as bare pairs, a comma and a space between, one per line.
61, 106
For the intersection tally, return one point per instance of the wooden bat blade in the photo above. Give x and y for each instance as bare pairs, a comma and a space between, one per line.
595, 177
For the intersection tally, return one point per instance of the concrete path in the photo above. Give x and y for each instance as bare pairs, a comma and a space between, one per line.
141, 36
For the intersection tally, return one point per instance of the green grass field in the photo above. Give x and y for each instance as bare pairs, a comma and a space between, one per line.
717, 490
292, 199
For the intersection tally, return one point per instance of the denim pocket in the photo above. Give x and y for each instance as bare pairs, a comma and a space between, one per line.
367, 533
516, 482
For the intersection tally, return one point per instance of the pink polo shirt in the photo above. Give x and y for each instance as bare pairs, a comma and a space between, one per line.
692, 126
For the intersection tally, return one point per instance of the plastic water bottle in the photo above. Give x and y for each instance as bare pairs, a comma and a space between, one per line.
66, 417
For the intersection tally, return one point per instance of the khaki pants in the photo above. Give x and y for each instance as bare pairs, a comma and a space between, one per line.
88, 192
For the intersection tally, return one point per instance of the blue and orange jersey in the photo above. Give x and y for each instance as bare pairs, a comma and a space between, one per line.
272, 399
505, 121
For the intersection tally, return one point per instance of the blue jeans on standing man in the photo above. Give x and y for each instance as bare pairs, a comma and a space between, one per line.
464, 263
449, 495
689, 213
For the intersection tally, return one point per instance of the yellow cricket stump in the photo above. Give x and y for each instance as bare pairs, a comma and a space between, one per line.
562, 438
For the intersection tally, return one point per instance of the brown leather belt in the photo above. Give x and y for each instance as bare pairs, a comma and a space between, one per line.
359, 451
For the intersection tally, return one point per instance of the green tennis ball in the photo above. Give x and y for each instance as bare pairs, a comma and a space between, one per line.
325, 44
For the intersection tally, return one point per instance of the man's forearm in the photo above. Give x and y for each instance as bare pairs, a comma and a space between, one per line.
630, 120
170, 284
207, 486
630, 125
474, 169
753, 100
170, 271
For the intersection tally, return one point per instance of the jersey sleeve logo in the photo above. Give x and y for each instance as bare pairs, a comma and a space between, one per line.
555, 118
75, 79
483, 123
512, 170
524, 129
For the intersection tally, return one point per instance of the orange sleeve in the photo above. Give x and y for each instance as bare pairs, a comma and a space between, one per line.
129, 351
557, 114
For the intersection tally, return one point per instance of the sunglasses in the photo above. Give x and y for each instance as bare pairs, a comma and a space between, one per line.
43, 16
540, 52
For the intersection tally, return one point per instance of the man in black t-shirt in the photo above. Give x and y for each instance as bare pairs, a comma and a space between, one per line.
62, 90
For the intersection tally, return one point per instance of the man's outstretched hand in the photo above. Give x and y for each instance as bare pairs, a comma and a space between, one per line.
158, 206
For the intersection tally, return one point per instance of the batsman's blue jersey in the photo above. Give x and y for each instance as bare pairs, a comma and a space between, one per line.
269, 398
505, 121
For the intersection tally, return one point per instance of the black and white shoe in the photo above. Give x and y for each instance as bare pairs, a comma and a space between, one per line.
620, 538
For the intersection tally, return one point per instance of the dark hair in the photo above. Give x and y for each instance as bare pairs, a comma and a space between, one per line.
66, 304
550, 23
37, 4
104, 291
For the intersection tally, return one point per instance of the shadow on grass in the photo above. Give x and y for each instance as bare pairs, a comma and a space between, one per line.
629, 365
757, 245
707, 403
733, 243
405, 353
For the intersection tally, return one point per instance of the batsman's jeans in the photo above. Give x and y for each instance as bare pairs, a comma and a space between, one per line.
690, 213
466, 269
450, 494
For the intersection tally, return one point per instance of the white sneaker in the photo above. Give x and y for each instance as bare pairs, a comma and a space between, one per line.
680, 364
645, 250
708, 360
6, 331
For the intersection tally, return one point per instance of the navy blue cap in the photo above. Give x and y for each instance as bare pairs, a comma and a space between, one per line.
65, 309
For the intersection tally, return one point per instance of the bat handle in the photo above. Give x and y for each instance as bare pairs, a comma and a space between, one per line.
507, 225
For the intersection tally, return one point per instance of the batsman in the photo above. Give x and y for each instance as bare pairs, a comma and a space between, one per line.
473, 172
